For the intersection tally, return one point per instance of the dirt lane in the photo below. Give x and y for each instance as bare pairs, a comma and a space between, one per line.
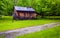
17, 32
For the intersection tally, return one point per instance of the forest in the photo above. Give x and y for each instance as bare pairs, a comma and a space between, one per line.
42, 7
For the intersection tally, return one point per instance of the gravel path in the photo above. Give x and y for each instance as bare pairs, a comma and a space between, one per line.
17, 32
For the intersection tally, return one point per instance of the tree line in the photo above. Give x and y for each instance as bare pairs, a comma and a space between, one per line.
42, 7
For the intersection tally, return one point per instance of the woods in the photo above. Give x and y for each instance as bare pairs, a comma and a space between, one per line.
42, 7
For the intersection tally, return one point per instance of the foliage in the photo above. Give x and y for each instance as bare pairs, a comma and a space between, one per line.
43, 7
6, 7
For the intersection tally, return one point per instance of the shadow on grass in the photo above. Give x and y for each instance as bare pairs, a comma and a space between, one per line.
52, 18
10, 18
5, 18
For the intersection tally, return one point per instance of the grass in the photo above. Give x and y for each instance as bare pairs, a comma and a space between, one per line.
53, 16
6, 23
2, 36
48, 33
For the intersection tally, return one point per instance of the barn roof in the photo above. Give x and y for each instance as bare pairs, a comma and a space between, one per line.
18, 8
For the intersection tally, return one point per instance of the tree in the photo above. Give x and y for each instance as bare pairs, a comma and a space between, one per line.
43, 7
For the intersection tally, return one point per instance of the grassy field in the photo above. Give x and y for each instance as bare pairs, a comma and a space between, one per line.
48, 33
6, 23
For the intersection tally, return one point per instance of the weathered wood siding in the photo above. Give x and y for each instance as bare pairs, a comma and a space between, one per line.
25, 15
33, 14
21, 14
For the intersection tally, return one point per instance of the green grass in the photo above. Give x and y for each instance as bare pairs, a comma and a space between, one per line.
54, 16
48, 33
7, 24
2, 36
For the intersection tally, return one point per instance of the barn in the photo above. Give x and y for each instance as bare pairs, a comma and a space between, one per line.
24, 13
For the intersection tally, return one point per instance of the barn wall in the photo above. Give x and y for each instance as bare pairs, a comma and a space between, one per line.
25, 15
17, 14
21, 14
33, 14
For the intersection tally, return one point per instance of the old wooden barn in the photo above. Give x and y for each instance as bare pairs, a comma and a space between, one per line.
24, 13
